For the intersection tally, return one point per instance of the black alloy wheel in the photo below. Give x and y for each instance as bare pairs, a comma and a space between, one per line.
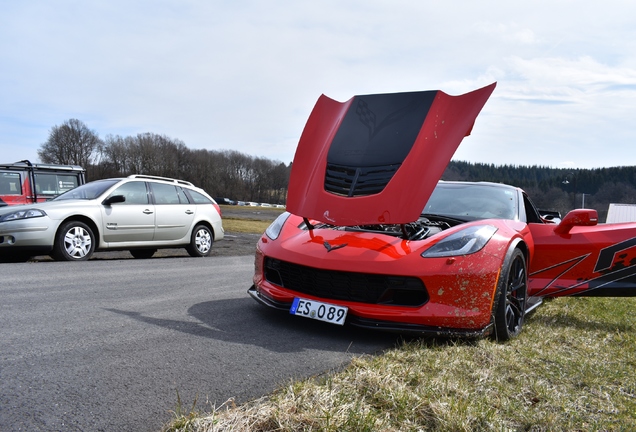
512, 293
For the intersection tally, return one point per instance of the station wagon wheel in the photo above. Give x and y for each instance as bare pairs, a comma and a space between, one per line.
74, 241
200, 242
142, 253
512, 293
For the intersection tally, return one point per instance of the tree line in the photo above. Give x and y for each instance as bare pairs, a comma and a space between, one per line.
224, 173
232, 174
560, 189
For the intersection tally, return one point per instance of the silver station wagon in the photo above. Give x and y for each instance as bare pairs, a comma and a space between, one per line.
138, 213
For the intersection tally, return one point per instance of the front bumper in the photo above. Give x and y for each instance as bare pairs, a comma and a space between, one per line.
382, 325
29, 235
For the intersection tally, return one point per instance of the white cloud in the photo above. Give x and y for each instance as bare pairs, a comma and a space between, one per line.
245, 75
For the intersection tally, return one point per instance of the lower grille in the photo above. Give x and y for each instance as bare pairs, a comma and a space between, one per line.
347, 286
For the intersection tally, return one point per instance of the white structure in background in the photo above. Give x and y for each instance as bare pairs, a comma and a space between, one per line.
618, 213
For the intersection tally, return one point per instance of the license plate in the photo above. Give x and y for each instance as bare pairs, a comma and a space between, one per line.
319, 311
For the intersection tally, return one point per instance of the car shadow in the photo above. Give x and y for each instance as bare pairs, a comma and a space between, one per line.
244, 321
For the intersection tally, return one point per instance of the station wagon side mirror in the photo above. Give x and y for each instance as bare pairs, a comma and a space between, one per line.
114, 199
579, 217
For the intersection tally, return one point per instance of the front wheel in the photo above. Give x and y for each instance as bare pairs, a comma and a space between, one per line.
512, 293
74, 241
200, 242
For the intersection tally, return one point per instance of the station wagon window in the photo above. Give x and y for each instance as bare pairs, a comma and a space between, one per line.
10, 183
165, 193
134, 192
182, 196
199, 198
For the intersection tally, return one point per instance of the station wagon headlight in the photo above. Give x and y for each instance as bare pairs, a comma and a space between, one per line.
464, 242
22, 214
273, 231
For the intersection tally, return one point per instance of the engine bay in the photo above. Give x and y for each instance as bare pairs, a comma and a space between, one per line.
421, 229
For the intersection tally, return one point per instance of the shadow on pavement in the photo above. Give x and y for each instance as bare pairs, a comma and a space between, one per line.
244, 321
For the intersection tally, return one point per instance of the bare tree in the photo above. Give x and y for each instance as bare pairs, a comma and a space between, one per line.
72, 143
225, 173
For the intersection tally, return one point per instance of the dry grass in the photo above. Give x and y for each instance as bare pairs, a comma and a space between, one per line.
571, 369
241, 225
244, 219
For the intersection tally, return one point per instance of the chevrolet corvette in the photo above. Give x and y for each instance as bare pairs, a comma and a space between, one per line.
373, 238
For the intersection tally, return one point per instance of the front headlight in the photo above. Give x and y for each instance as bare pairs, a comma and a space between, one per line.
273, 231
464, 242
22, 214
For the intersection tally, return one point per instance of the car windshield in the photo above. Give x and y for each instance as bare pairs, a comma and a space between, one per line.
88, 191
472, 201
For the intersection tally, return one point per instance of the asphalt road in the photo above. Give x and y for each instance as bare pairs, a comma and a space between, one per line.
107, 344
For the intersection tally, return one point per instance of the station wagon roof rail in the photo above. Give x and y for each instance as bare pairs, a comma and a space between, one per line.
150, 177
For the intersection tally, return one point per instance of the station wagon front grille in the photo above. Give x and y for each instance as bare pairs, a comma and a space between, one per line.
358, 181
347, 286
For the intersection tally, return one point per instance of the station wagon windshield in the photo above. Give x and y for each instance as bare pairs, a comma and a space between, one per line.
88, 191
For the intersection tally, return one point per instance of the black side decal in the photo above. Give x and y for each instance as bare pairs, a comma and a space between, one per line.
617, 279
606, 257
573, 261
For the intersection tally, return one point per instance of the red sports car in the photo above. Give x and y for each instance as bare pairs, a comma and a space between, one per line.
373, 238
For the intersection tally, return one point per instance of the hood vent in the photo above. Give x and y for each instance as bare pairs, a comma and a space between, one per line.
358, 181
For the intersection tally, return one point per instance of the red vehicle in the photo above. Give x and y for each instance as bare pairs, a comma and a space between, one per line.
17, 180
373, 238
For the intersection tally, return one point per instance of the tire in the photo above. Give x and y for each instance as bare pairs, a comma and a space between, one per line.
142, 253
74, 241
512, 293
200, 242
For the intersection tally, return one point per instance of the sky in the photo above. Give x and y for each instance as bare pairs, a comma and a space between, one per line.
245, 75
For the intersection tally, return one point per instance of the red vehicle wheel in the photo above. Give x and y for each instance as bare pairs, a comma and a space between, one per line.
510, 306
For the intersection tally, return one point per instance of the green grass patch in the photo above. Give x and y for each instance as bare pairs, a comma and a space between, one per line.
572, 368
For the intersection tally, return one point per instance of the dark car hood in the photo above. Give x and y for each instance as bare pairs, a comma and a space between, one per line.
376, 159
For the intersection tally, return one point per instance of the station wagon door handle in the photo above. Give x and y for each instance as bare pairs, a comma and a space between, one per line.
148, 211
189, 212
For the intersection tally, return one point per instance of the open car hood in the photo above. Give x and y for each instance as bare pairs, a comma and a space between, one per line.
376, 159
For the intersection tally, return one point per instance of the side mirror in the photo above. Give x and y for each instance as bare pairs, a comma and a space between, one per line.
581, 217
114, 199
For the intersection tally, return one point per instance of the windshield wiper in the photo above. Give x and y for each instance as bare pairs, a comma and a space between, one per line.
445, 218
